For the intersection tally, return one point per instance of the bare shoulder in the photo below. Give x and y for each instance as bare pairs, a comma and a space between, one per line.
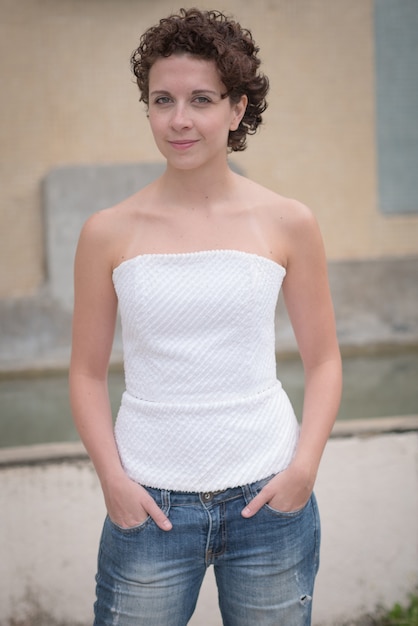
296, 218
98, 226
287, 222
289, 212
298, 233
278, 207
106, 231
108, 222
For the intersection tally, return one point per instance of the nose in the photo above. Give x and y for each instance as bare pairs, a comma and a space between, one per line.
180, 117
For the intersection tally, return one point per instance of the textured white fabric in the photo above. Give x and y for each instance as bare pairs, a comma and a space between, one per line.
203, 409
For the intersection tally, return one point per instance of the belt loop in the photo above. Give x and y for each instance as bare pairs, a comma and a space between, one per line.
252, 489
247, 492
165, 500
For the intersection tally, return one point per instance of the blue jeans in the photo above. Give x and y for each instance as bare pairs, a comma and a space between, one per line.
265, 566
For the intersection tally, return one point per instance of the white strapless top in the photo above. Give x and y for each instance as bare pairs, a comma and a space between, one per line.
203, 409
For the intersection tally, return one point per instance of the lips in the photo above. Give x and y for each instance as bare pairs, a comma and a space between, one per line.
183, 144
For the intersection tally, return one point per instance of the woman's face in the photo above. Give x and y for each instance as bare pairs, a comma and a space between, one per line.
189, 118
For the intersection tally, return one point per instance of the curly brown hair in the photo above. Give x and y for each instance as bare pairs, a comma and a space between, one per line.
213, 36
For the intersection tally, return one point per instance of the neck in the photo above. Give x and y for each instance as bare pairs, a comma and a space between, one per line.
192, 189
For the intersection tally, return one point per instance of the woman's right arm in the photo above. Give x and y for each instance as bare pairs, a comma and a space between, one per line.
94, 318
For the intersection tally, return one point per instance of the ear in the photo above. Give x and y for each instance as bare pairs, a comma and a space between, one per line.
238, 110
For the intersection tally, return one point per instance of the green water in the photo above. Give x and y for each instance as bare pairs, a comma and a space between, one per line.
36, 410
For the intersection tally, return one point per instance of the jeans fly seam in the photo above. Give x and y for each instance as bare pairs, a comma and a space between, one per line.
207, 552
222, 530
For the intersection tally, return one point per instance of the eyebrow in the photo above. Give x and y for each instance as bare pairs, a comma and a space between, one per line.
194, 92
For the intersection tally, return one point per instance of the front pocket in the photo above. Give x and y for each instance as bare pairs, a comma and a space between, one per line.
131, 529
279, 513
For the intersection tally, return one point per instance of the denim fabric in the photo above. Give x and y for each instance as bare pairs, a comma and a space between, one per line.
265, 566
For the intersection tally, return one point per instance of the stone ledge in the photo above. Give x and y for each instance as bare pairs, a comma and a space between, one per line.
374, 426
40, 454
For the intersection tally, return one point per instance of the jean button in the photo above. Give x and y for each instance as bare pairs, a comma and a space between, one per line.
208, 495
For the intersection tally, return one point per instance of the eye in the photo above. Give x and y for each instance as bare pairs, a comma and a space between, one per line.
162, 100
202, 100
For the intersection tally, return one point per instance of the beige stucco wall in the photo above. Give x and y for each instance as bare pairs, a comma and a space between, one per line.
68, 97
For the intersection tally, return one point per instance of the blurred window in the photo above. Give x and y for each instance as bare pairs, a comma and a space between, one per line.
396, 53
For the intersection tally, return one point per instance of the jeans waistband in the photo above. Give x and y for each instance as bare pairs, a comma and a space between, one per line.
186, 498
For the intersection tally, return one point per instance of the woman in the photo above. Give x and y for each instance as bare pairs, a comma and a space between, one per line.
207, 463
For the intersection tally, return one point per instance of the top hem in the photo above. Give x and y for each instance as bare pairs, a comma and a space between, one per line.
192, 253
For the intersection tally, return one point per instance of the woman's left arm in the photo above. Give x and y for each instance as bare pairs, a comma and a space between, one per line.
309, 305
